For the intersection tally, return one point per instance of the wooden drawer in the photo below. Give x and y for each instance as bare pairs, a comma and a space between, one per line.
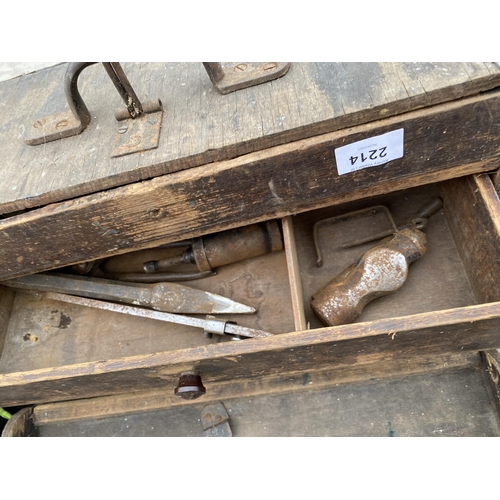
455, 395
449, 306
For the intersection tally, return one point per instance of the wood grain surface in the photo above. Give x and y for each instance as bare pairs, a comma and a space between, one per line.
473, 211
200, 125
471, 328
453, 402
446, 141
285, 384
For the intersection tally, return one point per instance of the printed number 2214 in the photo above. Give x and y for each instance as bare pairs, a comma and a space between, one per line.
373, 155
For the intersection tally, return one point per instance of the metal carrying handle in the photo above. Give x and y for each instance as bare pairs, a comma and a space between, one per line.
73, 97
60, 125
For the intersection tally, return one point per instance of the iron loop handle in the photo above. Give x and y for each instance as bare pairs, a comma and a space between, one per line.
73, 97
60, 125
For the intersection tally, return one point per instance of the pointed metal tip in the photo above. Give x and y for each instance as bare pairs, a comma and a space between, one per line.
211, 303
223, 305
235, 308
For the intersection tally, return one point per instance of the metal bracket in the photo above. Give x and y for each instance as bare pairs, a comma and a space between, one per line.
243, 75
141, 133
65, 124
139, 125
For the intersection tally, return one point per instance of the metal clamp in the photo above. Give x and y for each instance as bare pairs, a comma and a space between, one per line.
217, 326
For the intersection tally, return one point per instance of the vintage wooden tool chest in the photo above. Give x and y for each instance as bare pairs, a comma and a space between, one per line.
266, 152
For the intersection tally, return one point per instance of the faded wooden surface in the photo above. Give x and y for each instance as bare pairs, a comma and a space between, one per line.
473, 209
445, 141
282, 383
201, 126
294, 273
452, 402
7, 298
424, 290
491, 361
49, 359
471, 328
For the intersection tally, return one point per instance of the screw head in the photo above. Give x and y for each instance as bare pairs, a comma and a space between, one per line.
61, 124
122, 129
39, 123
240, 67
269, 66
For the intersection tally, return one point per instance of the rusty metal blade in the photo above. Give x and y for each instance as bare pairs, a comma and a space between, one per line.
166, 297
228, 327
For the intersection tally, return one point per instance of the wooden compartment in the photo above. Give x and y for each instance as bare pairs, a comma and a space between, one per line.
449, 306
425, 290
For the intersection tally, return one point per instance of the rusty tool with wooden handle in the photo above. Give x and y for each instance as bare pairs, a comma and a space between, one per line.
206, 254
381, 270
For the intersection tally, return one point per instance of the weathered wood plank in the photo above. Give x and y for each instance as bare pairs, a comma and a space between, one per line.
294, 274
448, 403
446, 141
200, 125
283, 383
473, 210
470, 328
7, 297
491, 372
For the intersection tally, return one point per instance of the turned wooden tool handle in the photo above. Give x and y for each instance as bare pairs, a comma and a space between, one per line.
379, 271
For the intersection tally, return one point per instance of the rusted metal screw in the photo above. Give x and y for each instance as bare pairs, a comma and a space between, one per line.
269, 66
190, 386
61, 124
240, 67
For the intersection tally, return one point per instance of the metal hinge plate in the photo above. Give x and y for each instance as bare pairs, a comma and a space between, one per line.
138, 134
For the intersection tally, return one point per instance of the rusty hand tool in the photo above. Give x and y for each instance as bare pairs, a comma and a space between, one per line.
167, 297
210, 252
379, 271
210, 324
417, 221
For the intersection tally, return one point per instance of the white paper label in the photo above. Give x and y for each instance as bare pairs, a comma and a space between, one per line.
370, 152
